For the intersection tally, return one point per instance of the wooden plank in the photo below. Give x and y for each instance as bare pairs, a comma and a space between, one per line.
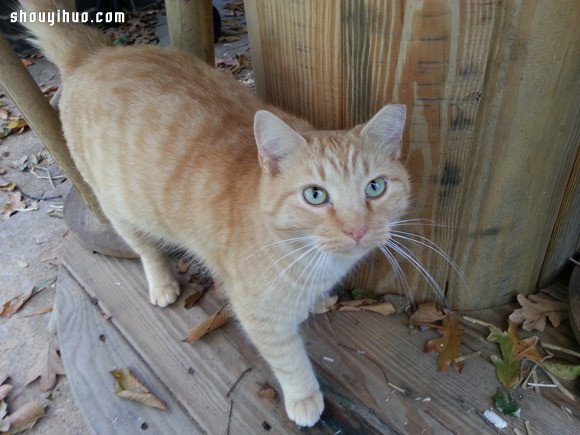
91, 347
565, 240
491, 138
355, 356
191, 27
228, 370
299, 68
42, 118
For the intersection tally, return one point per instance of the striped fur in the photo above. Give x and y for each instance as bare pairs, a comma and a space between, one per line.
168, 146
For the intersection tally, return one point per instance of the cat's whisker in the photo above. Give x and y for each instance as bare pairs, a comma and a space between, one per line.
279, 242
402, 281
416, 222
409, 256
424, 241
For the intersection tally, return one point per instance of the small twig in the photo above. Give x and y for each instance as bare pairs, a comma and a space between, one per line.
466, 356
567, 412
230, 417
576, 262
561, 349
238, 381
478, 322
561, 387
399, 389
363, 354
35, 198
533, 384
48, 177
535, 378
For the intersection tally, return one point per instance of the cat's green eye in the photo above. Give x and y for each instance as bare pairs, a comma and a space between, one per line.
315, 195
376, 188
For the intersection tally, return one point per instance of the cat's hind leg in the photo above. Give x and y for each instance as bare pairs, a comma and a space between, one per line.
163, 286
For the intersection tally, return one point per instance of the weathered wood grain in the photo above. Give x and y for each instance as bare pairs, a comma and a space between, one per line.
565, 240
92, 348
298, 37
191, 27
355, 356
493, 121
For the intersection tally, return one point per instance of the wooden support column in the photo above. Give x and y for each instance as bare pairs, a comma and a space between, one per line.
492, 128
43, 119
191, 27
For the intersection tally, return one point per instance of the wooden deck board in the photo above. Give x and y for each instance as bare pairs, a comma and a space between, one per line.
99, 348
364, 351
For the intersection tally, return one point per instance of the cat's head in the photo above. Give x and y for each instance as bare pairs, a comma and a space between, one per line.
338, 190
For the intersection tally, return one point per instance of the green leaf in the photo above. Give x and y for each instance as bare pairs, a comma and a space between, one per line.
359, 293
506, 367
562, 369
505, 404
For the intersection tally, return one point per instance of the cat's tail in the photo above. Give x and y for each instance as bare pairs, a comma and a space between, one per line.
67, 45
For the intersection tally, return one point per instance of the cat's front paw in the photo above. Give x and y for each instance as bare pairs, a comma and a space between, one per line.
305, 412
163, 295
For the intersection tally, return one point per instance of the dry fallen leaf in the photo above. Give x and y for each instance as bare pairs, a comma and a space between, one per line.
8, 186
513, 349
127, 386
48, 368
13, 305
40, 311
14, 203
4, 114
384, 308
325, 305
14, 125
52, 256
427, 314
535, 309
212, 323
26, 62
228, 38
192, 299
448, 345
267, 392
25, 417
5, 390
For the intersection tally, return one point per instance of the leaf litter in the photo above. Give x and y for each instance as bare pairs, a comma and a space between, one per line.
212, 323
15, 304
536, 310
49, 368
21, 419
513, 350
128, 386
448, 345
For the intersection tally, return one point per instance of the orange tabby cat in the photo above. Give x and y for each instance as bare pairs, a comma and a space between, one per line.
279, 212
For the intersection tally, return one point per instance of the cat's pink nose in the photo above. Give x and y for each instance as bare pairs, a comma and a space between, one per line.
356, 233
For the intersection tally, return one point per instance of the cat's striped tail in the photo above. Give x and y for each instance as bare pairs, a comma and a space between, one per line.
67, 45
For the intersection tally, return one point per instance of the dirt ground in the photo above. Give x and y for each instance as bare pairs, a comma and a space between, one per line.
31, 242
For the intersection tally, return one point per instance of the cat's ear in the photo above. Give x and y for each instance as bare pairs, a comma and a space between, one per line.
386, 128
275, 139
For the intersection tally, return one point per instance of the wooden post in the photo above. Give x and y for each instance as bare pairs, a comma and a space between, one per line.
492, 90
43, 119
191, 27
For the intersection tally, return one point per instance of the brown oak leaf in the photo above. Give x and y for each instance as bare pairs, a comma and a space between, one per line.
448, 345
48, 368
535, 309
